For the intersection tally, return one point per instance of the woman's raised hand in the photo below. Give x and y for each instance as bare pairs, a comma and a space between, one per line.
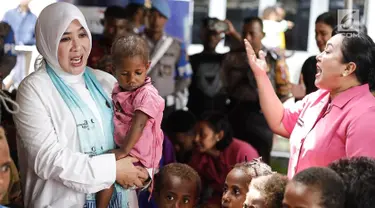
258, 66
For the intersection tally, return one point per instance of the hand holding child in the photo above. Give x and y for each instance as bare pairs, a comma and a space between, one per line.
127, 175
119, 153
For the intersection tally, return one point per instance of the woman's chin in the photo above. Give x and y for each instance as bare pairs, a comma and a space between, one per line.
76, 70
318, 82
320, 85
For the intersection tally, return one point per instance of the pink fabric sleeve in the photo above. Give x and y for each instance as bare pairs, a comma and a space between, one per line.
148, 102
291, 114
360, 135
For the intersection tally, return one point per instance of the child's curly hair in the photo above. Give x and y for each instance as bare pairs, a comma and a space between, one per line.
129, 46
272, 187
180, 170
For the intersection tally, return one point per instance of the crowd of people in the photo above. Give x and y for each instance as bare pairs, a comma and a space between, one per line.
128, 119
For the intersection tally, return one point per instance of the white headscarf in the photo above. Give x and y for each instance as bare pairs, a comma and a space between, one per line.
51, 25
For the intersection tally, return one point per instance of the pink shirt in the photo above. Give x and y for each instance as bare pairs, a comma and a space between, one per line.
213, 171
148, 149
321, 133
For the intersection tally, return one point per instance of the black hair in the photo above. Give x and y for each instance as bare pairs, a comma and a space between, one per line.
254, 168
272, 187
328, 18
181, 121
179, 170
327, 181
117, 12
129, 46
219, 122
132, 9
359, 48
248, 20
358, 175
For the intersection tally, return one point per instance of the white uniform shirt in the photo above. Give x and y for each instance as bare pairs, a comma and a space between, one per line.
53, 171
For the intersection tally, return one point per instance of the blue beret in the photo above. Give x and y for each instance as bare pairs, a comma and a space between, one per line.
162, 7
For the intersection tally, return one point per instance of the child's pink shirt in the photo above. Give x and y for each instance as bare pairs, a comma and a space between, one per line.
321, 133
148, 149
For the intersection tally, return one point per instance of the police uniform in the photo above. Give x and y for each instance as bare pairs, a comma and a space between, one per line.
172, 73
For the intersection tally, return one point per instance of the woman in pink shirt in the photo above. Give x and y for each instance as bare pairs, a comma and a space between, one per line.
337, 120
216, 154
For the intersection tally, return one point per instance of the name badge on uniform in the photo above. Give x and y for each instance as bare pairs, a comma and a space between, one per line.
300, 122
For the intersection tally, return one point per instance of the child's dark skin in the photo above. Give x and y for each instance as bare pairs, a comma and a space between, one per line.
131, 75
177, 192
235, 188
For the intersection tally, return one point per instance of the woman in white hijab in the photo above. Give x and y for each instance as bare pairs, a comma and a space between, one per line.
65, 120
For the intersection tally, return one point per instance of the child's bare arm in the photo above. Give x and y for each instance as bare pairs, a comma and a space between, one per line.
103, 197
139, 121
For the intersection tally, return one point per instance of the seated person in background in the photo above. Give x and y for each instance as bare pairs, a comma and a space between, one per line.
177, 185
138, 108
266, 191
315, 187
205, 91
180, 128
216, 153
359, 179
115, 24
238, 179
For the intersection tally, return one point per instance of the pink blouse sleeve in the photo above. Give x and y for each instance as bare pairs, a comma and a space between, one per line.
360, 135
148, 102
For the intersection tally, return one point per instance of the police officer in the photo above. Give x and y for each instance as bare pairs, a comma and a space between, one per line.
170, 69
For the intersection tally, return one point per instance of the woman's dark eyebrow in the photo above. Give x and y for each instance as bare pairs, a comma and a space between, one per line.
7, 163
68, 33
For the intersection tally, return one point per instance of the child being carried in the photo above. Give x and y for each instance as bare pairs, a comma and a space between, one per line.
138, 108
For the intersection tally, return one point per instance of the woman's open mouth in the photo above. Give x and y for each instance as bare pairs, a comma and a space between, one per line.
76, 61
318, 71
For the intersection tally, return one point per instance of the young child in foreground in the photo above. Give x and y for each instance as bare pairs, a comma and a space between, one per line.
358, 174
315, 187
138, 108
177, 185
266, 191
238, 180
